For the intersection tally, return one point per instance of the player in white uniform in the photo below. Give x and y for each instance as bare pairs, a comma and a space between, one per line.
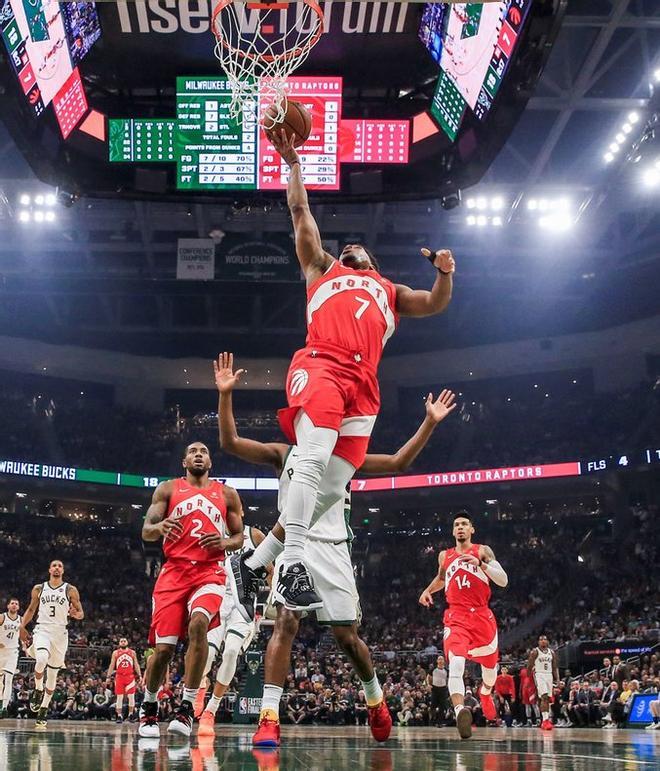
53, 601
236, 633
10, 624
327, 554
542, 664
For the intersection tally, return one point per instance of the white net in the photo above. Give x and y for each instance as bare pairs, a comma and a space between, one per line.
259, 45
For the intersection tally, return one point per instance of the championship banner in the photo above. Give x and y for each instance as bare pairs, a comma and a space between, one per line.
257, 260
195, 259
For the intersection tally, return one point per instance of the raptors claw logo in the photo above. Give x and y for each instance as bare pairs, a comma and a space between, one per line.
299, 379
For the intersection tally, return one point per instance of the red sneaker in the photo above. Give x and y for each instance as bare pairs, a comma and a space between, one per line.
206, 724
487, 705
380, 722
547, 725
198, 706
267, 733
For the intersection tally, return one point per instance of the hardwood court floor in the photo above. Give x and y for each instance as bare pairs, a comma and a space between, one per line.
68, 746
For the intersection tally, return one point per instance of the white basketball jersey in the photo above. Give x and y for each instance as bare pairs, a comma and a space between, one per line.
9, 633
53, 607
543, 663
333, 526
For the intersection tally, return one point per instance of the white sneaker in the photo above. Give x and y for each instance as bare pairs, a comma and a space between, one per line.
181, 724
655, 726
149, 728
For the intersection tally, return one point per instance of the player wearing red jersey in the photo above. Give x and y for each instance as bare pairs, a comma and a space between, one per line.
124, 663
332, 389
470, 629
192, 515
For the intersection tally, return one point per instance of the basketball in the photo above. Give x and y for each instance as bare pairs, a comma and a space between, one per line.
297, 120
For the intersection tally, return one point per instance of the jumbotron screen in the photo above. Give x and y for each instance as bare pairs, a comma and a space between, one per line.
214, 151
473, 43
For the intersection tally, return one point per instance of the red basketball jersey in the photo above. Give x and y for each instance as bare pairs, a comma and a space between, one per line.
353, 309
201, 512
465, 585
124, 660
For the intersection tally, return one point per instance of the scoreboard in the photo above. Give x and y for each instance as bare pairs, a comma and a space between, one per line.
214, 151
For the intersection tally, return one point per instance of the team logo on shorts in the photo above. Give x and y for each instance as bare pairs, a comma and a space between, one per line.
299, 379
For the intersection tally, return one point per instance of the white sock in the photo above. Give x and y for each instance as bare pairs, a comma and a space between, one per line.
189, 694
458, 708
267, 551
372, 691
150, 696
39, 684
545, 715
46, 699
271, 698
214, 703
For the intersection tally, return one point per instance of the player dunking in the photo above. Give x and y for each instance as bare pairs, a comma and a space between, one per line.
328, 552
54, 601
542, 663
10, 624
332, 389
124, 662
470, 628
192, 515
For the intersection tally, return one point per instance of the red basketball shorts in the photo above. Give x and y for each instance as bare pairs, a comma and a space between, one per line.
336, 390
472, 634
183, 588
125, 685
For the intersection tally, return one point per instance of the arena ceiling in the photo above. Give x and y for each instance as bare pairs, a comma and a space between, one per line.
105, 273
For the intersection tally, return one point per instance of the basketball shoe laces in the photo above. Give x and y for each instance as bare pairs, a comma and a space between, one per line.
150, 714
300, 582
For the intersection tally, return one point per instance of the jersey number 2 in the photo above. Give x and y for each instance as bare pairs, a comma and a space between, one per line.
364, 304
195, 532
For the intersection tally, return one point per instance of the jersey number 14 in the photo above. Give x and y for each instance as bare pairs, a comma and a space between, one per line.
463, 582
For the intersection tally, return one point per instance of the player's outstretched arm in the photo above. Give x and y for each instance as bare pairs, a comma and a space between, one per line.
492, 567
438, 583
155, 525
111, 668
249, 450
401, 460
29, 613
76, 609
418, 303
311, 255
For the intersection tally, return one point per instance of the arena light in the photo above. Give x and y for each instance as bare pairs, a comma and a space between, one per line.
24, 215
532, 204
620, 138
497, 222
651, 176
482, 221
50, 199
482, 204
558, 222
470, 203
614, 147
633, 117
471, 220
24, 199
50, 216
608, 157
38, 216
39, 200
626, 128
497, 203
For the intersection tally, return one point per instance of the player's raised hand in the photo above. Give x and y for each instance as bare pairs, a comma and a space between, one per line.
442, 259
426, 598
225, 377
439, 409
285, 145
170, 529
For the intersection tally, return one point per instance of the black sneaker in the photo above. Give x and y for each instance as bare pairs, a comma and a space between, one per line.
119, 720
246, 583
149, 720
35, 700
295, 588
183, 720
41, 723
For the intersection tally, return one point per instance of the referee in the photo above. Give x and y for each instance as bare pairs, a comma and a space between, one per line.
439, 692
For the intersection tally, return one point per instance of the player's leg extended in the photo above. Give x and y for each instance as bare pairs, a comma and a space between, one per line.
457, 693
41, 653
350, 643
488, 677
154, 676
8, 680
119, 707
214, 639
234, 643
278, 659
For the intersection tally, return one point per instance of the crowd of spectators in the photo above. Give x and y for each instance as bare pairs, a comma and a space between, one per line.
115, 582
489, 431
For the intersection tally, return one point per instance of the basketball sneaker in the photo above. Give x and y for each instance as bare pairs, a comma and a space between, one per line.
246, 582
547, 725
295, 588
268, 730
206, 724
380, 722
464, 723
36, 697
149, 728
182, 721
487, 705
119, 719
199, 699
41, 723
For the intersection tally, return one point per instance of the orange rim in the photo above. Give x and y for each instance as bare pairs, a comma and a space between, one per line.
313, 4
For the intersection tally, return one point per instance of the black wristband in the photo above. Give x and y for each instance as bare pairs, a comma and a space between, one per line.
431, 258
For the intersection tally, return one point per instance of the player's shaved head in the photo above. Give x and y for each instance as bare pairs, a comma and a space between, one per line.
197, 459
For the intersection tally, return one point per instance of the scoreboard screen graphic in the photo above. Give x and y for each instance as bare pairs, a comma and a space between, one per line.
473, 44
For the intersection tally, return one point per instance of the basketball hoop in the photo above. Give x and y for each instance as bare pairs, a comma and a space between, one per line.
258, 48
